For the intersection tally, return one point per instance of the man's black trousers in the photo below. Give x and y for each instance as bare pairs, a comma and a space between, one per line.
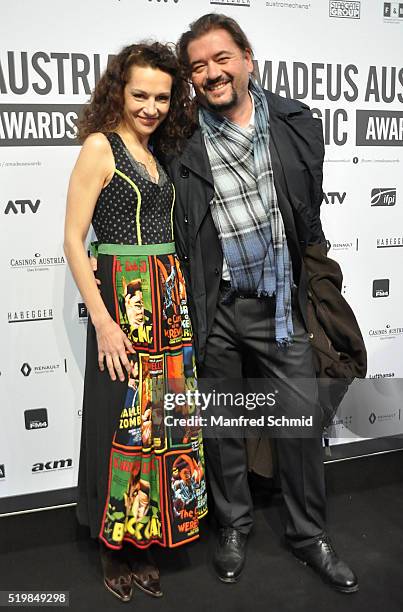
241, 330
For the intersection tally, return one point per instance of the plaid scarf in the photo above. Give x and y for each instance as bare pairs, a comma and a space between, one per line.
245, 209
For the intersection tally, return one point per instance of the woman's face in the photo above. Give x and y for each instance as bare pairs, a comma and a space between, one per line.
147, 96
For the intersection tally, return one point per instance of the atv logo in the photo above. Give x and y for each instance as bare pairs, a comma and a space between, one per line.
334, 197
22, 206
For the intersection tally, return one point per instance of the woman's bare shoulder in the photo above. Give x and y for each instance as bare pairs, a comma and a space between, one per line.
97, 143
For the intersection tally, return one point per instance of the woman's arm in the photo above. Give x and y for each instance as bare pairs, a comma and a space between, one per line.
93, 170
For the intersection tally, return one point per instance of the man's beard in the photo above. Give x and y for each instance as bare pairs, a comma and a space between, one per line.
223, 106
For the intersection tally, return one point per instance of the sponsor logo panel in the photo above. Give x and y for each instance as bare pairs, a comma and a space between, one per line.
42, 467
378, 375
37, 262
384, 418
389, 242
388, 332
393, 12
383, 196
82, 312
21, 207
343, 245
380, 288
347, 9
43, 368
334, 197
36, 418
231, 2
29, 315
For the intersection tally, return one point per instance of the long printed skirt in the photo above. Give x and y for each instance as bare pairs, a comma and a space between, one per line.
138, 483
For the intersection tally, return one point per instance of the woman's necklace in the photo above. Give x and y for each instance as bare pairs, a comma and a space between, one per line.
151, 166
145, 157
148, 160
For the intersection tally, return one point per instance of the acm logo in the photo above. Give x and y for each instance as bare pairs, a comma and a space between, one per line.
49, 466
22, 206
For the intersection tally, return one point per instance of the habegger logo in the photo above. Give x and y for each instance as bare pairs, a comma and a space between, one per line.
383, 196
28, 316
31, 125
389, 242
379, 128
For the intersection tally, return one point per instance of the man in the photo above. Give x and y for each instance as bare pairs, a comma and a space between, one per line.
249, 189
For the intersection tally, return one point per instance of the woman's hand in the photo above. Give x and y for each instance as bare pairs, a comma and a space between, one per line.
112, 346
94, 266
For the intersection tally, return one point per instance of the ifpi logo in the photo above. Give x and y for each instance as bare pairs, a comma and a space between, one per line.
383, 196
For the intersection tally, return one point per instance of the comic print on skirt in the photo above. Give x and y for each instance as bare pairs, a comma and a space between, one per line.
136, 482
156, 490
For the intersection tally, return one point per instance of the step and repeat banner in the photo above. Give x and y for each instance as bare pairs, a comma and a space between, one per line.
343, 58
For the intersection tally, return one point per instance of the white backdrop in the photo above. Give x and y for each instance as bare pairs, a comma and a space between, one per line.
344, 59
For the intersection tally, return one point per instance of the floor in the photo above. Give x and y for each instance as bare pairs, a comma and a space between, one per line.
48, 550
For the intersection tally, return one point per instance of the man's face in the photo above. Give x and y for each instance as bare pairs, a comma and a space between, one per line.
135, 309
219, 70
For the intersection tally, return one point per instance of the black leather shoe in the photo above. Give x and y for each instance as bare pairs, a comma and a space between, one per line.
229, 556
322, 557
117, 574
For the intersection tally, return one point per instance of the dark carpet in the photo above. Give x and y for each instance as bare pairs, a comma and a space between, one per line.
48, 550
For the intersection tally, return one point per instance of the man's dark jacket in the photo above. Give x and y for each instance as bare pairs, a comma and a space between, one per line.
297, 151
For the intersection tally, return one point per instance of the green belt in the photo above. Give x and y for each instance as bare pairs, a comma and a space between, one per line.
166, 248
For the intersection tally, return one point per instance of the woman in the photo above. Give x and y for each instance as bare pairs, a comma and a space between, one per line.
139, 342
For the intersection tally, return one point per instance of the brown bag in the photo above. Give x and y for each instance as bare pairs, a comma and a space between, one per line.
338, 347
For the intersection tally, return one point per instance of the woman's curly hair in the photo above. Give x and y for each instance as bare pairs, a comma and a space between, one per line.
105, 110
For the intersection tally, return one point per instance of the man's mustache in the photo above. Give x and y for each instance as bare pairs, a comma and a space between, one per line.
212, 82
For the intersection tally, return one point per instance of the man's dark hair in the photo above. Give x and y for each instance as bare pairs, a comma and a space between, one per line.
203, 25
